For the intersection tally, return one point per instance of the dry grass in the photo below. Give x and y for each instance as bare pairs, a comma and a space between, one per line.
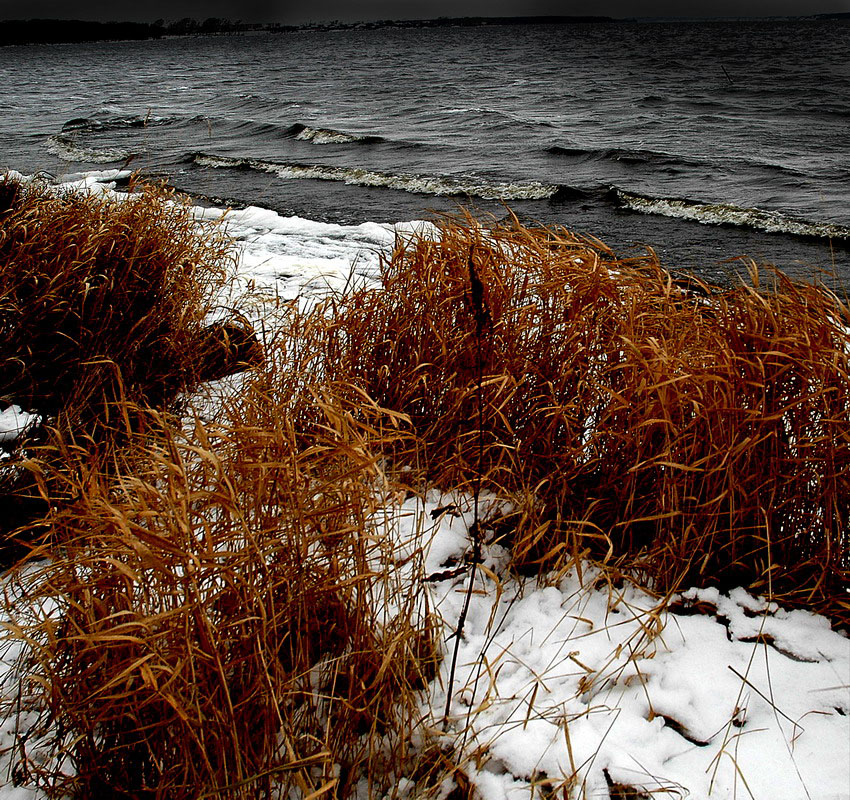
219, 617
223, 623
101, 299
694, 434
102, 305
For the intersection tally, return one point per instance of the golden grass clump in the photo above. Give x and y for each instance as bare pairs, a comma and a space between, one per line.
102, 308
217, 617
692, 433
101, 298
221, 623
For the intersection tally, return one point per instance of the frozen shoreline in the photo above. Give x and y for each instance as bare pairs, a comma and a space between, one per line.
726, 697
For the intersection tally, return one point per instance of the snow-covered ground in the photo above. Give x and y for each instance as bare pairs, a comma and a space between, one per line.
727, 697
573, 687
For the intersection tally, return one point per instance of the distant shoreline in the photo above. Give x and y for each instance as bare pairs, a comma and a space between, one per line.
54, 31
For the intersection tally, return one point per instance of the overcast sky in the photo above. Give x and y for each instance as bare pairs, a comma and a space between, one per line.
298, 11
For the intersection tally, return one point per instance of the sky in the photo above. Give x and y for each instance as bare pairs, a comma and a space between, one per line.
297, 11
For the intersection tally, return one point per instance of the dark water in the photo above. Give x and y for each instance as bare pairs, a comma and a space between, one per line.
707, 141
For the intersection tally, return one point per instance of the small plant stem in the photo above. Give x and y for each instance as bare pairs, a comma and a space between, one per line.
481, 320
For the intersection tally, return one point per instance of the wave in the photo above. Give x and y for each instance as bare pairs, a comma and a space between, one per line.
244, 127
704, 102
252, 101
626, 155
670, 162
69, 150
86, 124
304, 133
436, 185
726, 214
653, 101
812, 106
485, 112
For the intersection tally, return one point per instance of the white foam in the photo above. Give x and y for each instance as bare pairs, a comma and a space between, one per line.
68, 151
720, 213
327, 136
104, 176
437, 185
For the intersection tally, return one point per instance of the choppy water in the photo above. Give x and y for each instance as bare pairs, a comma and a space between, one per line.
707, 141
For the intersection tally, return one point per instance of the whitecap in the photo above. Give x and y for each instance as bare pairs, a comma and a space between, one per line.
68, 151
723, 213
436, 185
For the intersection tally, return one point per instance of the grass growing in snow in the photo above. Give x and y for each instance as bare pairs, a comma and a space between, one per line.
247, 605
213, 627
685, 433
102, 299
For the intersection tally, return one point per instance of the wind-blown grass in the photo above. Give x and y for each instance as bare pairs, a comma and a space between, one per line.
219, 616
101, 299
102, 308
685, 432
215, 623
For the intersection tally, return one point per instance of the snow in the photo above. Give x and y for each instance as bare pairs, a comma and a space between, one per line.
291, 257
579, 679
14, 421
570, 682
101, 182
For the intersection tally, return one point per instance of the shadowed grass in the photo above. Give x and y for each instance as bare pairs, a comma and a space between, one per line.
102, 305
101, 299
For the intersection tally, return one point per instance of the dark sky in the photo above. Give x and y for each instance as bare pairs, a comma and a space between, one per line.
298, 11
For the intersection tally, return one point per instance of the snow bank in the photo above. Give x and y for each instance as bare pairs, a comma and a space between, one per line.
292, 257
728, 697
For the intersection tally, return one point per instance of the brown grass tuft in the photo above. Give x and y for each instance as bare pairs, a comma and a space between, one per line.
101, 299
223, 622
102, 307
695, 434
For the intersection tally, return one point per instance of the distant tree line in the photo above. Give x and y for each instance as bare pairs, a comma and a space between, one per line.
64, 30
52, 30
451, 22
55, 30
189, 27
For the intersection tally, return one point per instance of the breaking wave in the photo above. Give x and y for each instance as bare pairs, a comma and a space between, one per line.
85, 124
76, 140
305, 133
725, 214
658, 159
626, 156
437, 185
69, 150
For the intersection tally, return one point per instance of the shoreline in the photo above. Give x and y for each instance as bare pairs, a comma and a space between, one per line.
21, 32
179, 584
829, 260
